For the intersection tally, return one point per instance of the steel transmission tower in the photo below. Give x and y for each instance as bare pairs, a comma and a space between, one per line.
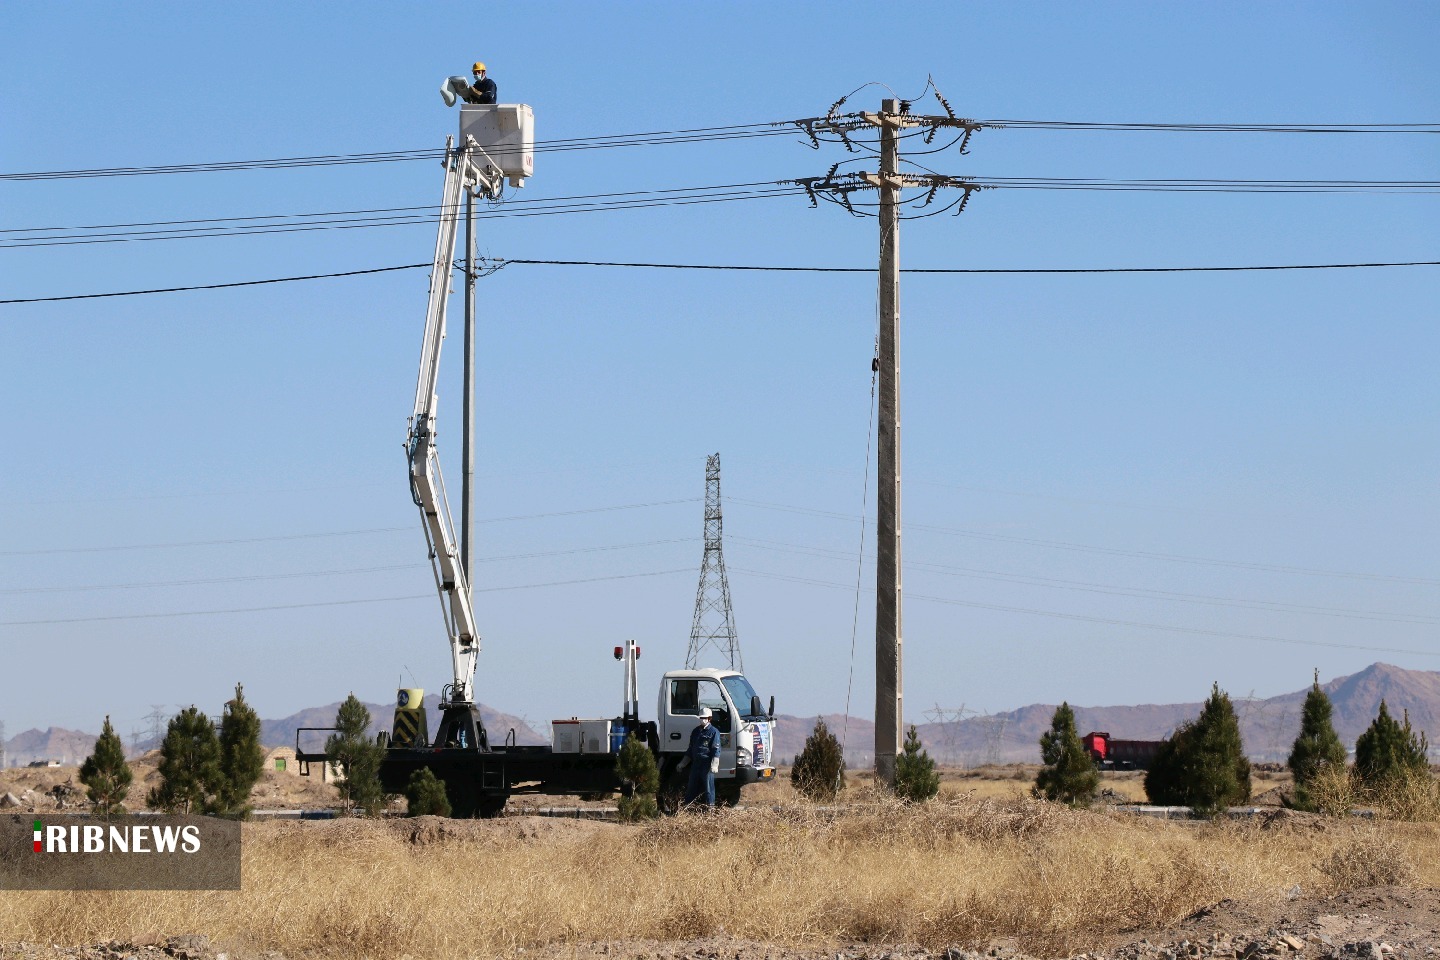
714, 622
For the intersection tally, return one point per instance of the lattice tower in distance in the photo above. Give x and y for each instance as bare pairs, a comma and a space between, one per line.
714, 622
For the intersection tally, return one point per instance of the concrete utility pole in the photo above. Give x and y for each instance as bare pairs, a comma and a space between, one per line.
894, 116
468, 426
889, 686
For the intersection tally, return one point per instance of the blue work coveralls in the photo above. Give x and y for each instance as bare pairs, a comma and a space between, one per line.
704, 747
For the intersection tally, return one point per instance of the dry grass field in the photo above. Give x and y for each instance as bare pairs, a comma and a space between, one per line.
964, 870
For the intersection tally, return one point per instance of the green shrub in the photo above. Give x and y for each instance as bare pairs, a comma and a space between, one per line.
639, 773
1317, 748
1388, 750
357, 757
106, 775
241, 757
1068, 775
1203, 764
190, 773
426, 795
819, 770
915, 778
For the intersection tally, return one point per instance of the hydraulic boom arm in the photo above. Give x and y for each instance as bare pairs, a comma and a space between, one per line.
426, 484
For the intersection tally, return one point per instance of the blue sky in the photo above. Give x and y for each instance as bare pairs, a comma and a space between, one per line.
1114, 484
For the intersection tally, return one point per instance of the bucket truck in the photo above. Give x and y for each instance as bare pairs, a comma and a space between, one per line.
497, 142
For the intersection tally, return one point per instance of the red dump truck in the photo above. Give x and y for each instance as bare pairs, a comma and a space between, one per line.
1112, 754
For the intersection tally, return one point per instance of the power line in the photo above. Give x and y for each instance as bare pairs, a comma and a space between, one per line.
1109, 621
610, 141
328, 603
1308, 128
500, 263
248, 578
845, 184
704, 135
968, 270
339, 533
217, 286
440, 210
312, 222
1104, 589
1107, 551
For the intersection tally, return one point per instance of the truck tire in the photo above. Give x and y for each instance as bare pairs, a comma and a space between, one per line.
490, 807
464, 802
672, 790
727, 793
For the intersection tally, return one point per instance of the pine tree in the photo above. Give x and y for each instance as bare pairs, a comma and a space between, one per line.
357, 757
426, 795
1203, 765
190, 774
1388, 750
241, 757
106, 775
637, 769
1317, 748
1068, 775
915, 778
819, 770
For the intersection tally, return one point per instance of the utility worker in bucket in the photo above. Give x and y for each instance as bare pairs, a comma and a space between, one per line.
482, 89
704, 756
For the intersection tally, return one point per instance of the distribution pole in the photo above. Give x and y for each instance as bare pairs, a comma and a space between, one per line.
840, 187
468, 427
889, 691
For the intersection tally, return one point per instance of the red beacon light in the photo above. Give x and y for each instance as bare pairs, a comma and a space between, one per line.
620, 652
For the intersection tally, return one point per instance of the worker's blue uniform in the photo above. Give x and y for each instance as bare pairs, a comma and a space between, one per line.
483, 91
704, 747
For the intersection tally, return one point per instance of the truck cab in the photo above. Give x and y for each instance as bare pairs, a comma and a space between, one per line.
747, 744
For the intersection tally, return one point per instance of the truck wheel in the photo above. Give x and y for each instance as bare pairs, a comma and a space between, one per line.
727, 793
490, 807
672, 791
464, 803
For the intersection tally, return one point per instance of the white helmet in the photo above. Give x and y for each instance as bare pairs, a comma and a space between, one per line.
705, 713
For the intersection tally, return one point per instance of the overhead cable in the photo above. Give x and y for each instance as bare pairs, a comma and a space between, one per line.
702, 135
330, 603
341, 533
761, 268
310, 222
1107, 551
611, 141
1108, 621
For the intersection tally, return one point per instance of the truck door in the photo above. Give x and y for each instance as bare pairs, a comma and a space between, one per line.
686, 697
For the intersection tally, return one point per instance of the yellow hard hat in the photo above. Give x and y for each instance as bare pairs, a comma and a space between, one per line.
478, 68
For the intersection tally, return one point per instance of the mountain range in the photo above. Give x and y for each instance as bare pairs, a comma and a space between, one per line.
1268, 726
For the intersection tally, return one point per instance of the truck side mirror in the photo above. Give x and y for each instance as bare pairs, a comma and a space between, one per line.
772, 706
754, 704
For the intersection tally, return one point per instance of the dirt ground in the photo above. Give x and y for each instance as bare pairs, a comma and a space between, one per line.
35, 788
1382, 922
1366, 922
46, 789
1377, 922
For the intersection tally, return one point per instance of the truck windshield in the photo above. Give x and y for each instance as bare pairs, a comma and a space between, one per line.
742, 693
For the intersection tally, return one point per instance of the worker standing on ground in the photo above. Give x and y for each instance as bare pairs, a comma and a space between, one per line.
482, 88
704, 757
